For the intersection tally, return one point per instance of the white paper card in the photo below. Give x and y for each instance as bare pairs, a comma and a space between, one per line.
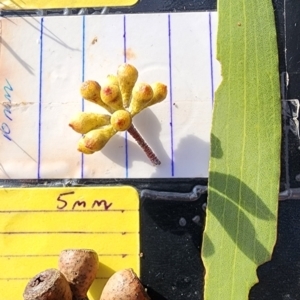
45, 59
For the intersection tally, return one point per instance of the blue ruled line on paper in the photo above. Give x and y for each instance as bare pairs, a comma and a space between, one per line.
211, 59
124, 38
171, 95
125, 59
82, 79
40, 99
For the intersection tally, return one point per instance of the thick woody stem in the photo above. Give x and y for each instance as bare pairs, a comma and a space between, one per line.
148, 151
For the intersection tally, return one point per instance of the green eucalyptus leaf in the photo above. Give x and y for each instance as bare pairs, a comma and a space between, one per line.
241, 224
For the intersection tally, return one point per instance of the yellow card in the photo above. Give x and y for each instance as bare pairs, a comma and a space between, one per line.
36, 224
47, 4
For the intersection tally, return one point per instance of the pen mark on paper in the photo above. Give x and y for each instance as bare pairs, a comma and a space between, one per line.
23, 150
23, 103
4, 172
48, 33
27, 67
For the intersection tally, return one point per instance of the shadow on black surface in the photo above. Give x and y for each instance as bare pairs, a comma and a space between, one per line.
171, 245
172, 235
154, 295
176, 217
279, 279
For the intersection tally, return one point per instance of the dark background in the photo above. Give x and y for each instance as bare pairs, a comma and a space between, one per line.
171, 232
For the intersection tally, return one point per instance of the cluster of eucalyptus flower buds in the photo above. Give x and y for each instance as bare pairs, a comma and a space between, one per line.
123, 97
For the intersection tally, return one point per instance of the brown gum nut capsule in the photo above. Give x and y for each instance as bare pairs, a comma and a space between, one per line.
124, 285
50, 284
80, 267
